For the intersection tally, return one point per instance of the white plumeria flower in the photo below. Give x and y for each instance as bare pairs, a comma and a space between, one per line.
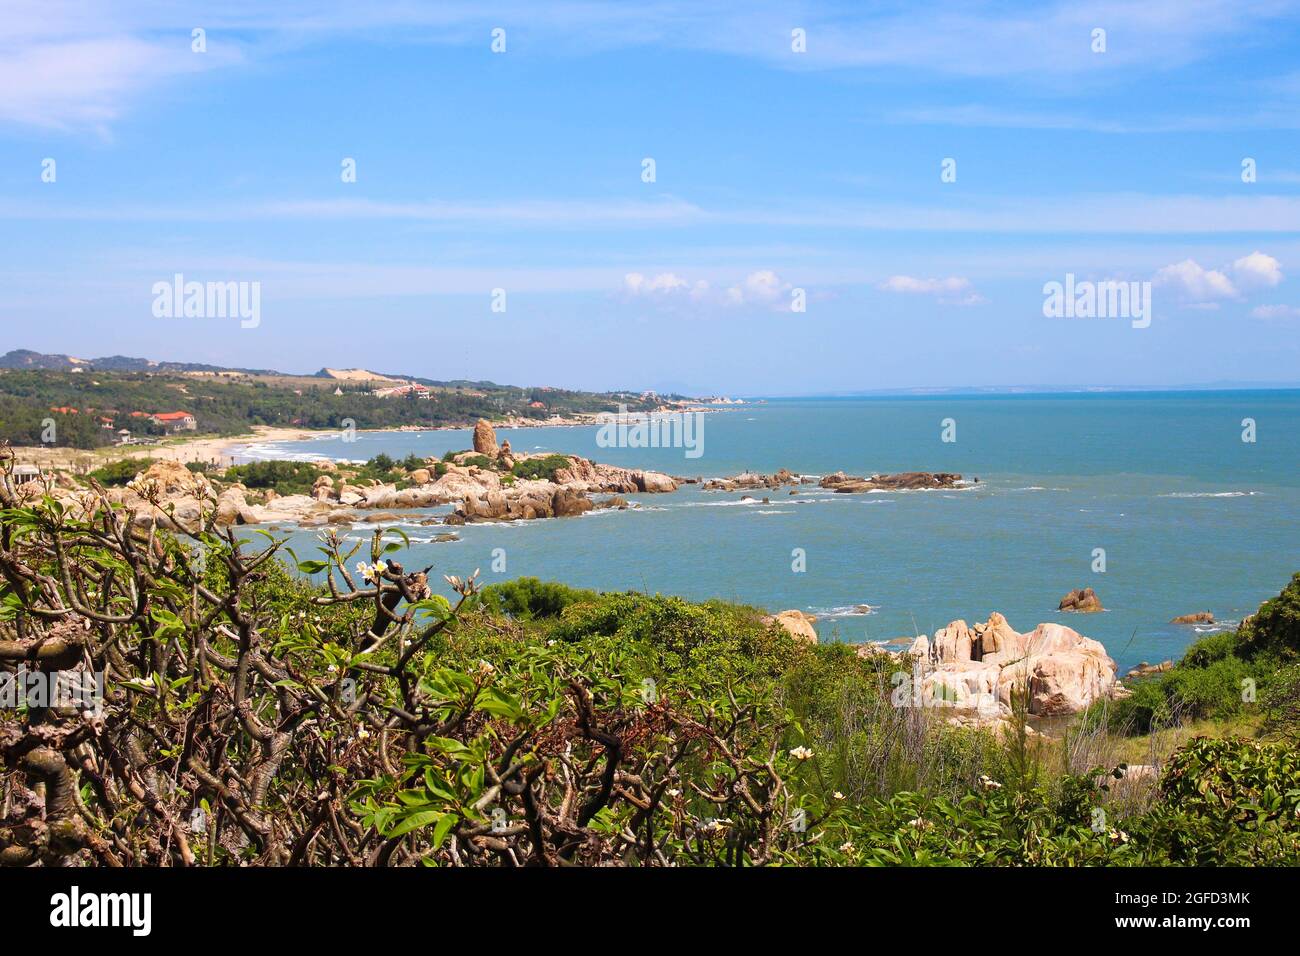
801, 753
988, 783
837, 795
846, 846
485, 668
362, 734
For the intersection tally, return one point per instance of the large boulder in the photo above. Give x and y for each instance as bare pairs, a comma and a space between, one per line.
952, 643
569, 502
1063, 682
416, 498
964, 685
795, 623
171, 479
323, 488
460, 481
1200, 617
998, 641
485, 439
231, 506
653, 481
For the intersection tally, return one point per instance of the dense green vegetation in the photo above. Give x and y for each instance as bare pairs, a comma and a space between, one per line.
544, 468
325, 710
1223, 674
229, 406
121, 471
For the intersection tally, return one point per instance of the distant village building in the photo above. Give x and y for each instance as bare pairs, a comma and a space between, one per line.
26, 474
175, 421
399, 391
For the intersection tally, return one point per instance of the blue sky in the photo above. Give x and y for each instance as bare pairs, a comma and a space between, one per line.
775, 171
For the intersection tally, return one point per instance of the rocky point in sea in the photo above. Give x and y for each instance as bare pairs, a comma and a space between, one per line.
169, 495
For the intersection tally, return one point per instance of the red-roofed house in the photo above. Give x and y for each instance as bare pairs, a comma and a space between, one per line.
175, 421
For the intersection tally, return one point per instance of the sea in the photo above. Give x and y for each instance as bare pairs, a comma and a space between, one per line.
1165, 503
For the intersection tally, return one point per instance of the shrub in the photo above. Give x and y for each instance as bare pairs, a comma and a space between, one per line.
531, 598
533, 468
283, 477
120, 472
1275, 628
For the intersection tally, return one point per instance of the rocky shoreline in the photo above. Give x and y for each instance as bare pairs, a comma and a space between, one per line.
489, 482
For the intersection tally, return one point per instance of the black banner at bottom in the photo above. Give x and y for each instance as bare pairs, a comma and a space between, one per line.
304, 906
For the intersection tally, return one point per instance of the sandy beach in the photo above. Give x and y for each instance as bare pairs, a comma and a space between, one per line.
219, 451
206, 449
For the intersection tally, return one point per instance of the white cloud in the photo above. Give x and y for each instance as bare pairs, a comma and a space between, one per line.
954, 290
1195, 283
664, 286
1276, 312
1257, 271
63, 65
761, 288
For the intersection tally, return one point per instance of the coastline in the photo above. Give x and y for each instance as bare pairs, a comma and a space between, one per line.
222, 449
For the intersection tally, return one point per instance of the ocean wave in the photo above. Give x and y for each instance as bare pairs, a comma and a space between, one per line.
1210, 494
761, 512
269, 452
719, 504
846, 610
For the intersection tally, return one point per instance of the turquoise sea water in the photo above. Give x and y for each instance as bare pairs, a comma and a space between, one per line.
1190, 516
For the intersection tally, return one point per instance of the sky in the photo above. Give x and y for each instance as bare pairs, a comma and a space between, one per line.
747, 199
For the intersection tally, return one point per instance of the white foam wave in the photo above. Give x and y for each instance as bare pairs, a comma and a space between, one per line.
1210, 494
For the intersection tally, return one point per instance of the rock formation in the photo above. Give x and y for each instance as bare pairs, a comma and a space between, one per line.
1200, 617
485, 439
1146, 670
796, 623
749, 480
903, 481
1081, 600
975, 668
